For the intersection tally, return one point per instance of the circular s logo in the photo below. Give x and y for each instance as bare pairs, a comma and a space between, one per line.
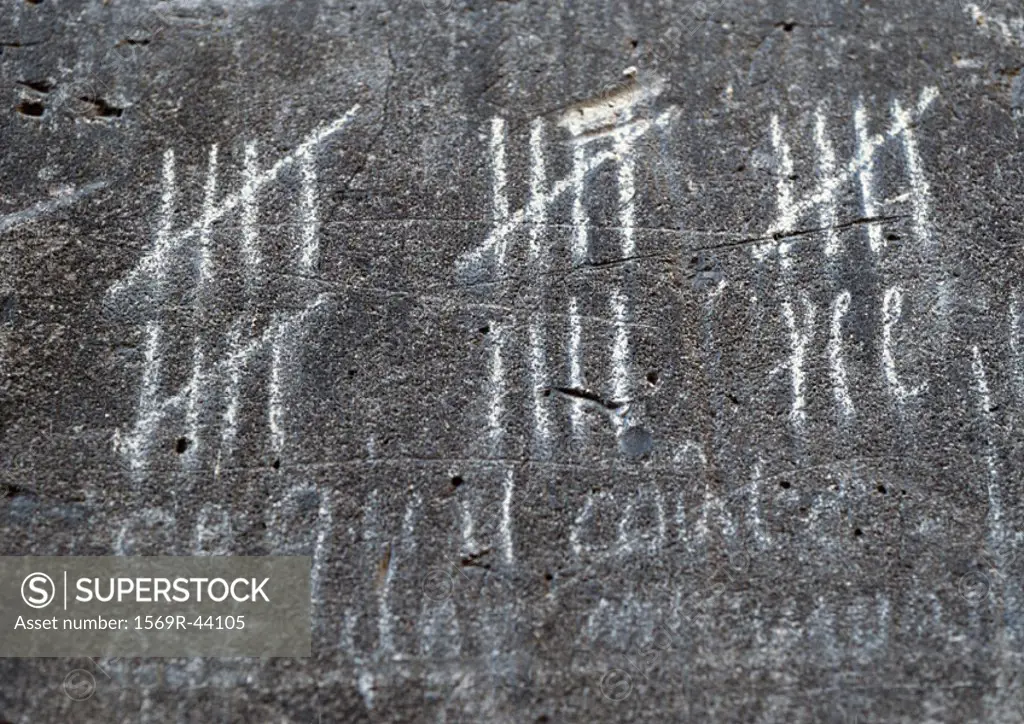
37, 590
79, 685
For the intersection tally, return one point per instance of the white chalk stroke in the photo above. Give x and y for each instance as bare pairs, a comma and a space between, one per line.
816, 210
64, 197
1009, 30
1015, 334
892, 310
840, 387
601, 133
997, 534
800, 321
813, 215
183, 269
801, 332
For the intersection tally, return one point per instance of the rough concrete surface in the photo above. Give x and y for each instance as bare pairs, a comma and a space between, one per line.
614, 361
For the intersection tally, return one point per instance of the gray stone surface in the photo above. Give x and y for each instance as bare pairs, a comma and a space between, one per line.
721, 422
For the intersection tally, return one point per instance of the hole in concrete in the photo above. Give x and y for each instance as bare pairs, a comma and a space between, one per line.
39, 86
31, 108
101, 108
9, 490
181, 445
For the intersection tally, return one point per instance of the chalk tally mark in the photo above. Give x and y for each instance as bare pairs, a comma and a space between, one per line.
820, 204
181, 263
986, 410
602, 132
813, 214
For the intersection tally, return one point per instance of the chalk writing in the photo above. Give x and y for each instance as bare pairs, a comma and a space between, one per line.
217, 369
821, 202
601, 132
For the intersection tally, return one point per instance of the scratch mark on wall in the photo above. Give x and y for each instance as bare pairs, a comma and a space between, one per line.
404, 548
760, 531
788, 217
620, 353
537, 210
65, 197
310, 216
576, 529
275, 392
867, 146
920, 195
576, 369
1015, 344
469, 543
827, 216
250, 211
209, 211
500, 180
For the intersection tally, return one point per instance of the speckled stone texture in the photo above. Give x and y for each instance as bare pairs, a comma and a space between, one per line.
615, 361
